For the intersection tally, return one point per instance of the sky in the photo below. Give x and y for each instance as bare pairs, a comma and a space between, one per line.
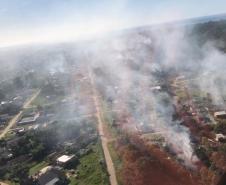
44, 21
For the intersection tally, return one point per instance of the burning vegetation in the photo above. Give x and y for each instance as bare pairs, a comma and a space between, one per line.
154, 96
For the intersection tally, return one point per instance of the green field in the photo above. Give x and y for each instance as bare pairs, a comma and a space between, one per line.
37, 167
91, 170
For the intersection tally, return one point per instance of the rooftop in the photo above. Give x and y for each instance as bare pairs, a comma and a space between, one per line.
51, 177
65, 158
29, 119
220, 113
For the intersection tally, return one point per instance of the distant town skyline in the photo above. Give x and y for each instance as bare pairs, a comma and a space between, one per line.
36, 21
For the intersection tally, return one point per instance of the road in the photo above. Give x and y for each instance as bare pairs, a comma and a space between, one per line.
104, 140
31, 99
13, 121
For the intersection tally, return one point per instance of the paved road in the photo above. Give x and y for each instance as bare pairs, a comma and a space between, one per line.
13, 121
104, 140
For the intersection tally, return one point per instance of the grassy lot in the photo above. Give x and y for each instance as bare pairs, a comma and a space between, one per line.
91, 171
9, 135
37, 167
181, 94
106, 112
9, 182
39, 100
108, 117
43, 100
116, 160
27, 111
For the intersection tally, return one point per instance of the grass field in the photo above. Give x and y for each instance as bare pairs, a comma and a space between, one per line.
37, 167
43, 100
91, 170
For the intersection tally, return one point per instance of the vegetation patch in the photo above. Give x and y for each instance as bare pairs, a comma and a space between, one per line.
92, 169
37, 167
116, 160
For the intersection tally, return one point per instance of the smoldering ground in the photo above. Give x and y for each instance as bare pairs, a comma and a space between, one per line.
133, 64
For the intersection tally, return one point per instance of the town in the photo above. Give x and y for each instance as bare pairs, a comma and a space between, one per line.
127, 113
49, 135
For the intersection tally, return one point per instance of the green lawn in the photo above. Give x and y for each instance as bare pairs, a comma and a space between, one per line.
43, 100
39, 100
108, 117
37, 167
90, 170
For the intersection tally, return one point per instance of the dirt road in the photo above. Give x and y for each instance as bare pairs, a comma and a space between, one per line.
104, 141
13, 121
30, 100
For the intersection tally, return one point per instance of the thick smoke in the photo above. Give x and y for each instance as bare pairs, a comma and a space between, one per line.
130, 67
132, 70
137, 63
212, 77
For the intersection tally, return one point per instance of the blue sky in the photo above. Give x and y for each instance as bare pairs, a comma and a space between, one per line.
26, 21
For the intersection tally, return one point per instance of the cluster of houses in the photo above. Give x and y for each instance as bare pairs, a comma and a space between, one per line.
12, 105
53, 174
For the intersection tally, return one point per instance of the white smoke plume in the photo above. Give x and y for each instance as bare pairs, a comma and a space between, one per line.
134, 62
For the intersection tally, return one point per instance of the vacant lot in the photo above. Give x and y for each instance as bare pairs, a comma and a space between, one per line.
91, 170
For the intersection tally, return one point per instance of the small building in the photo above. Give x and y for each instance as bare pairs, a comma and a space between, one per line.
220, 115
156, 88
49, 176
5, 154
4, 118
29, 120
65, 159
220, 137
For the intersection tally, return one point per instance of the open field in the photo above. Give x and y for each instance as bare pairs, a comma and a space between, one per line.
37, 167
92, 169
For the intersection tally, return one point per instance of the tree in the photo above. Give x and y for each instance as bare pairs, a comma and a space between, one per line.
19, 173
38, 152
220, 127
202, 155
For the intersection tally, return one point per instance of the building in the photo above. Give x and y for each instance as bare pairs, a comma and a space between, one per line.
4, 118
220, 115
65, 159
29, 119
49, 176
220, 137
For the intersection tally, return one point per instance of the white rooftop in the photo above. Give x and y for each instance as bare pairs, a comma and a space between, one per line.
219, 113
45, 169
65, 158
220, 136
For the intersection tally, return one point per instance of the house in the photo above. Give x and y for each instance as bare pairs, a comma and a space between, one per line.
29, 119
65, 159
49, 176
156, 88
220, 137
220, 115
4, 118
5, 154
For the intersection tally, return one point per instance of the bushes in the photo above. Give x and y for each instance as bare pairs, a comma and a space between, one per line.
202, 155
220, 127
